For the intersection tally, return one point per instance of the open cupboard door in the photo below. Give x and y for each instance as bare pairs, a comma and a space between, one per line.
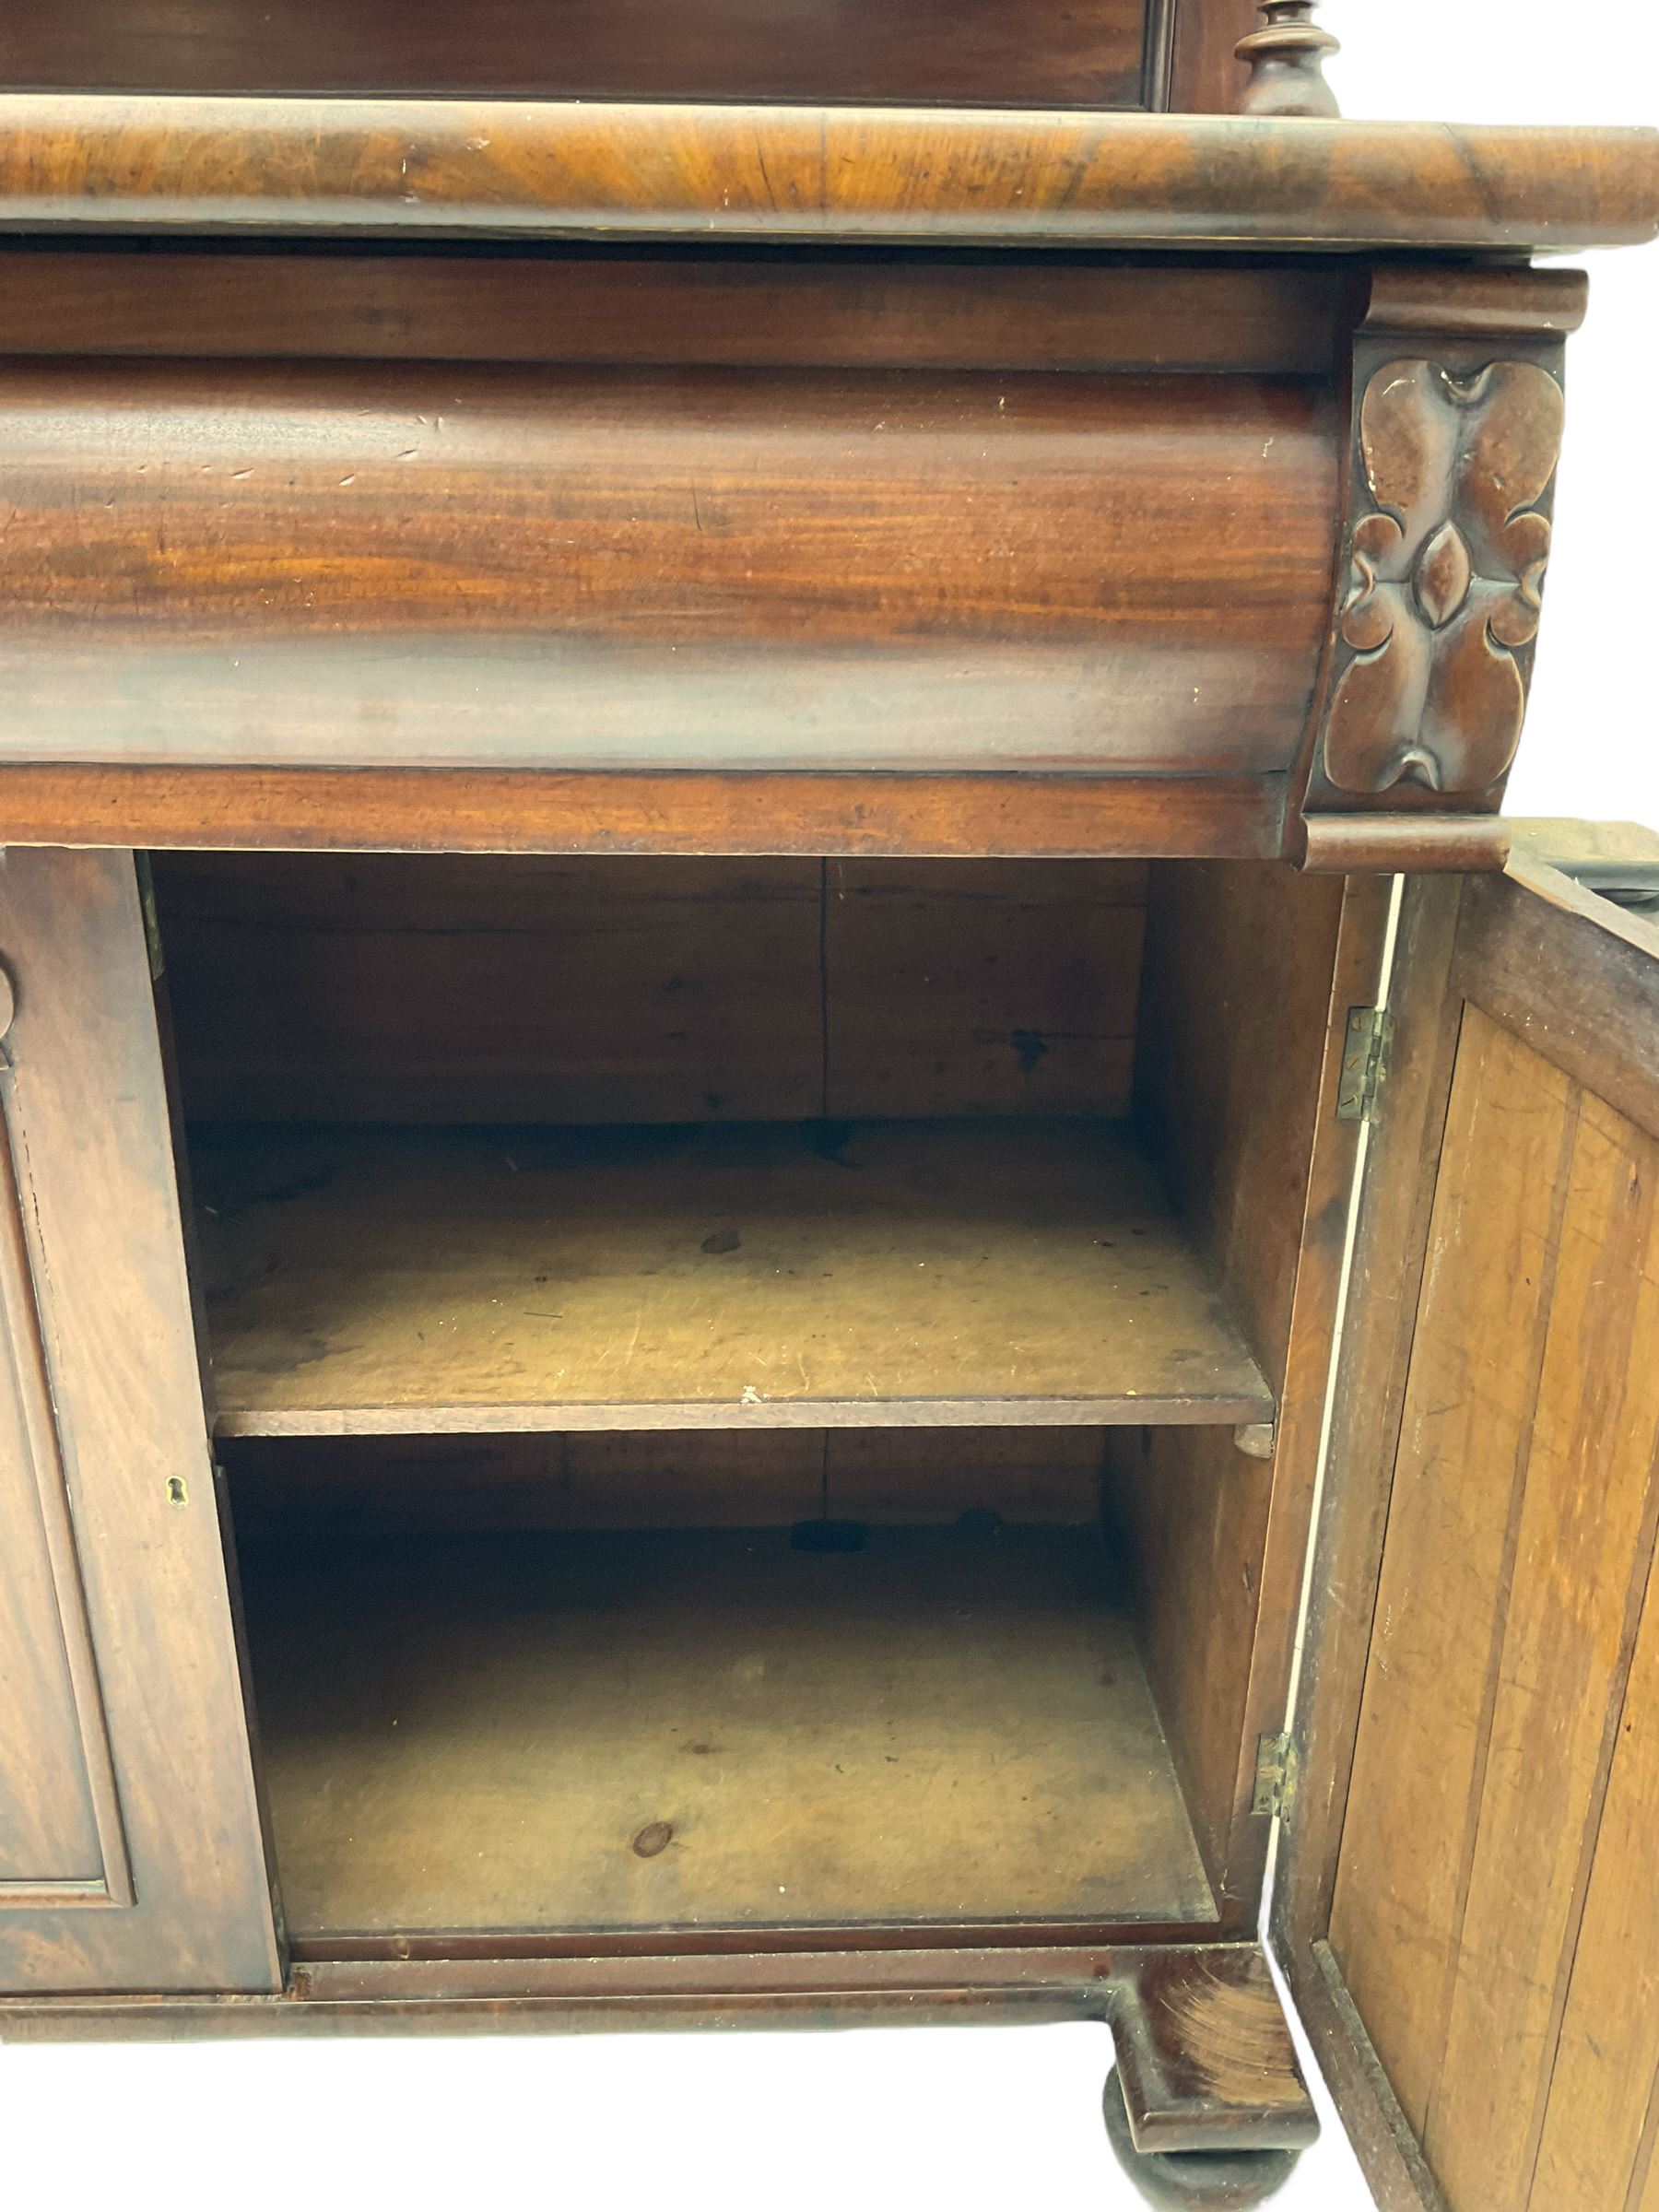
131, 1855
1465, 1906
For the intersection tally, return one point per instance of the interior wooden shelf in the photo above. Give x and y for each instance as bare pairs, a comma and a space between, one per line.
699, 1730
761, 1275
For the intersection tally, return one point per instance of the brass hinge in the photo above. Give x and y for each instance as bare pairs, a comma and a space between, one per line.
1278, 1765
1364, 1063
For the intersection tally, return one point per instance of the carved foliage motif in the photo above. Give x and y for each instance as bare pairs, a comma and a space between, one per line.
1446, 576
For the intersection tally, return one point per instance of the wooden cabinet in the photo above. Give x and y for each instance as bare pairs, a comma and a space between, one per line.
837, 1539
771, 1049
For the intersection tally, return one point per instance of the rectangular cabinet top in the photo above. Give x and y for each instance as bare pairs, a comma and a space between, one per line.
597, 170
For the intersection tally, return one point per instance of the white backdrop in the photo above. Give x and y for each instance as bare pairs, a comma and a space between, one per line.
995, 2117
1589, 747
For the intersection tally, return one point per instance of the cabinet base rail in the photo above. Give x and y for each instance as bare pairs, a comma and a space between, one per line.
1203, 2052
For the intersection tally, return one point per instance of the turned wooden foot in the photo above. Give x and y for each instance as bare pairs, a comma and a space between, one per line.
1180, 2179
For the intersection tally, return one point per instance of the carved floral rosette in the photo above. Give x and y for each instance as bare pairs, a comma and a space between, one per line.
1446, 576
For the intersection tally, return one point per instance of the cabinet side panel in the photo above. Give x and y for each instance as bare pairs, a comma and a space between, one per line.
1242, 971
1192, 1512
1234, 1004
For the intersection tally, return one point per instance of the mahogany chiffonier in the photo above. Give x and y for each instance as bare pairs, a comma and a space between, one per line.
798, 1196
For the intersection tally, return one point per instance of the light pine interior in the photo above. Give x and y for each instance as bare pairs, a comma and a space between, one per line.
572, 1231
702, 1729
878, 1273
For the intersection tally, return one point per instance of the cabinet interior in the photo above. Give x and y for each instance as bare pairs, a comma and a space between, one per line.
726, 1375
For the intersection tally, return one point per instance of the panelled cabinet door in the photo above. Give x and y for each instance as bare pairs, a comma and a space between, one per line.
1469, 1898
131, 1855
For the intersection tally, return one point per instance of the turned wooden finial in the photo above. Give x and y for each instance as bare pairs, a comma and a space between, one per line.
1286, 60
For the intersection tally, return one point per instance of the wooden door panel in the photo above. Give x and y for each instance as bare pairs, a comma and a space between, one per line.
131, 1855
1514, 1548
54, 1752
1400, 1878
1607, 2058
1582, 1556
1469, 1913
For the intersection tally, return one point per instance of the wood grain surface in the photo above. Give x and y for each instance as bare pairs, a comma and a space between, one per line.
1485, 1998
805, 1980
596, 168
1205, 2055
503, 565
1450, 1542
632, 1732
1206, 75
59, 1823
415, 988
363, 1280
951, 51
457, 810
1236, 1014
756, 307
1506, 1624
156, 1876
1585, 1525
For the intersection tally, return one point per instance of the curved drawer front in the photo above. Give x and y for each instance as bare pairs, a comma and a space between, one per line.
600, 567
